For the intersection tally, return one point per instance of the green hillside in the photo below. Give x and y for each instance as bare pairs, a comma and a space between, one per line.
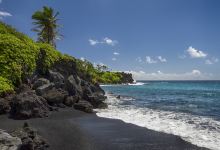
19, 57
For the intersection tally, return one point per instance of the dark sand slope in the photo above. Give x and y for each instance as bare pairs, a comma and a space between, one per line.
73, 130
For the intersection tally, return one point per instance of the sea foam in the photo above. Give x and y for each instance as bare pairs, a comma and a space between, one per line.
201, 131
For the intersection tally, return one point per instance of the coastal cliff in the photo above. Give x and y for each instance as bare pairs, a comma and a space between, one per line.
40, 76
36, 79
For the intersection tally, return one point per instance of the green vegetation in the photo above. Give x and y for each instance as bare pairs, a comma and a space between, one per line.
18, 54
47, 57
46, 26
5, 86
20, 57
98, 74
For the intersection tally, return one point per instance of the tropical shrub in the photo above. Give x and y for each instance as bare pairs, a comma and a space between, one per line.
5, 86
17, 58
47, 56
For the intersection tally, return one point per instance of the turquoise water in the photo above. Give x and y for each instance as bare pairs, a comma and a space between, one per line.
189, 109
194, 97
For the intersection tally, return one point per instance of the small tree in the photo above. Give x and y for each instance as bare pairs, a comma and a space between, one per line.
46, 26
102, 67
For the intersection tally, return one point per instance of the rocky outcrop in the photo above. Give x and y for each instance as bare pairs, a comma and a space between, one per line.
57, 78
78, 86
9, 142
71, 100
40, 82
73, 85
44, 88
55, 97
28, 105
84, 106
95, 95
61, 86
4, 106
30, 140
126, 78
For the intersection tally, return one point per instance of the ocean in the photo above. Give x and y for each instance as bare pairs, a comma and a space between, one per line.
189, 109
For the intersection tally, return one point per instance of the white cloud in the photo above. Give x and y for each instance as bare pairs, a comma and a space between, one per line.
4, 14
109, 41
105, 40
93, 42
211, 61
196, 72
114, 59
161, 59
194, 53
150, 60
159, 75
1, 1
116, 53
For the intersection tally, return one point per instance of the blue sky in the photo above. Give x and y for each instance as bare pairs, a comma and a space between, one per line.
153, 39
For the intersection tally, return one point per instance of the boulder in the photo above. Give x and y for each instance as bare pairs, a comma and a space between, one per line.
71, 100
4, 106
57, 78
97, 101
118, 97
97, 89
9, 142
40, 82
30, 139
73, 85
44, 88
94, 94
55, 96
28, 105
84, 106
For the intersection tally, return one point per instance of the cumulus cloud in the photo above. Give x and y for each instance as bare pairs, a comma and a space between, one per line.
4, 14
161, 59
105, 40
194, 53
159, 75
109, 41
211, 61
150, 60
116, 53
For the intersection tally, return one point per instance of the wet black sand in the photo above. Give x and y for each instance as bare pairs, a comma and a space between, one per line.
69, 129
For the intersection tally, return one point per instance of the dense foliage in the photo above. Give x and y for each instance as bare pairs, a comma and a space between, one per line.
5, 86
17, 55
20, 57
46, 57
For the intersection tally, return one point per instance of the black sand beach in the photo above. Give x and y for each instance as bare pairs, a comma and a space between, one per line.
69, 129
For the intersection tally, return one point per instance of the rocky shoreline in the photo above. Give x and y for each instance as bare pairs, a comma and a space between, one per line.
60, 87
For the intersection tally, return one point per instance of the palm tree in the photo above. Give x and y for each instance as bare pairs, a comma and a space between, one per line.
46, 26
